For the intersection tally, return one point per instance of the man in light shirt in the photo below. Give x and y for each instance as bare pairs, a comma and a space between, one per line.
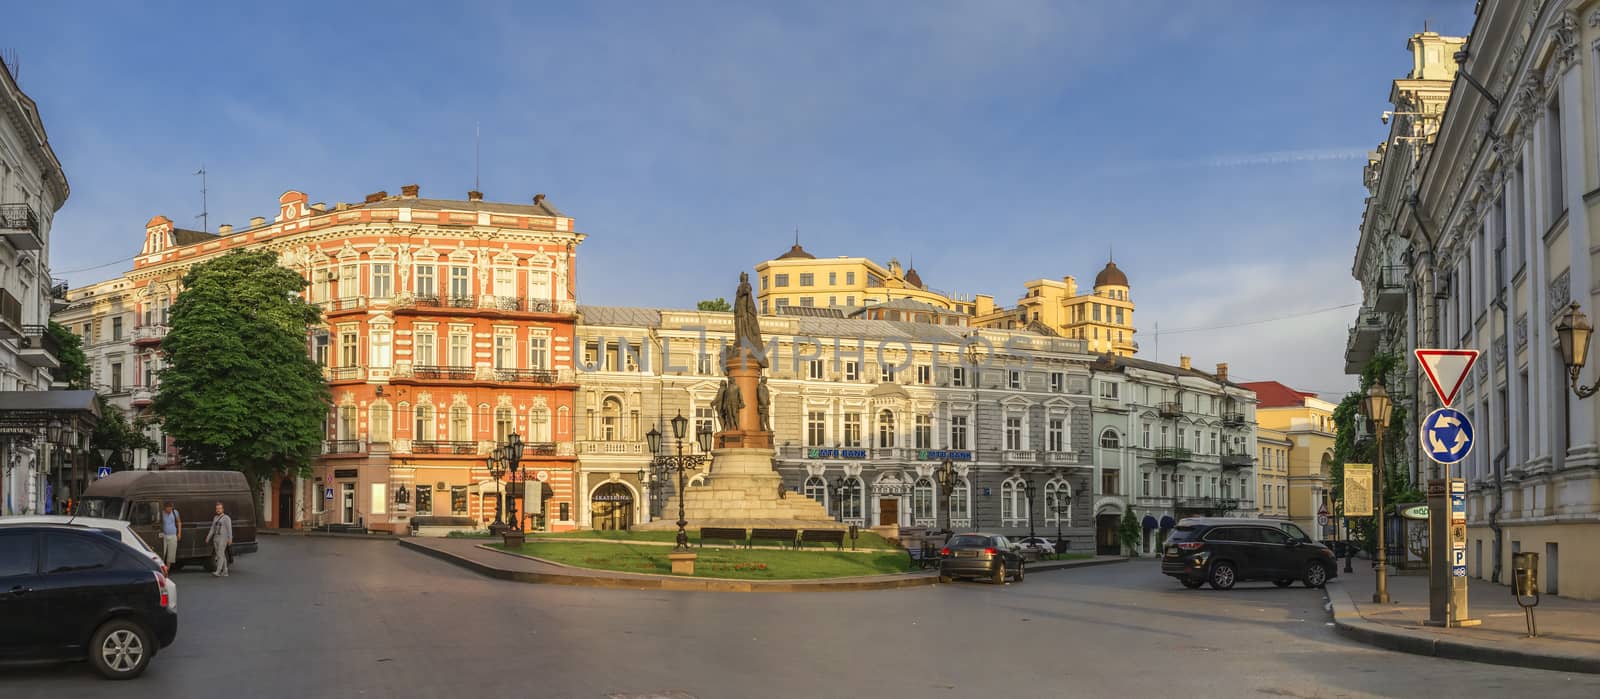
220, 535
171, 533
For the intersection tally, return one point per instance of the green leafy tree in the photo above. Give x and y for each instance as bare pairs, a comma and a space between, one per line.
1354, 445
116, 432
717, 304
74, 369
240, 391
1129, 531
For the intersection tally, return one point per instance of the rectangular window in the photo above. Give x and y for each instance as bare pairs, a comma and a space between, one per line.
807, 279
538, 352
1016, 379
505, 351
458, 500
1058, 434
924, 374
459, 288
780, 280
958, 376
1096, 312
850, 279
116, 328
816, 428
703, 365
422, 285
460, 349
538, 285
807, 302
852, 371
886, 374
381, 348
1058, 382
814, 369
924, 432
1013, 434
705, 418
1144, 484
958, 432
852, 430
382, 283
347, 348
849, 300
378, 416
116, 377
833, 279
424, 499
425, 353
1163, 485
783, 303
1108, 389
348, 282
319, 347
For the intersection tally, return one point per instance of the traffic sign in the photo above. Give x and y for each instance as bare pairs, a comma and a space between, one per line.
1446, 369
103, 472
1322, 520
1446, 436
327, 493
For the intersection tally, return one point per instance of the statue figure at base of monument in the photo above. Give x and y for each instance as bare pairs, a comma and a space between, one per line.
764, 405
728, 404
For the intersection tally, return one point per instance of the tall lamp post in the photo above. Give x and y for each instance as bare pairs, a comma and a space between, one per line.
838, 496
510, 456
1377, 407
947, 478
496, 470
682, 463
1061, 513
1031, 490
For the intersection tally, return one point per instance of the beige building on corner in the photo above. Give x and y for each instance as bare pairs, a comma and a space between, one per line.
799, 278
1306, 422
1272, 471
1102, 318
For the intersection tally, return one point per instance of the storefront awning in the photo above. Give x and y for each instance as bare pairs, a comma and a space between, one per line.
1167, 522
31, 411
1149, 522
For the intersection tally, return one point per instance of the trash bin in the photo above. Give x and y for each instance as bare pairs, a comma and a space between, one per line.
1525, 574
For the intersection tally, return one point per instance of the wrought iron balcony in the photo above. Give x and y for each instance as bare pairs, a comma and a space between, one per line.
344, 373
1208, 504
539, 449
1169, 409
526, 375
443, 373
20, 225
344, 446
1237, 460
1171, 456
429, 446
1233, 420
39, 348
1389, 289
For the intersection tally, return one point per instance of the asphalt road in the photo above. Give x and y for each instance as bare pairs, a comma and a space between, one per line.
343, 618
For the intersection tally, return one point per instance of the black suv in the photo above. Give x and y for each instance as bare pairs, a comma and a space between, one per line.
68, 593
1223, 551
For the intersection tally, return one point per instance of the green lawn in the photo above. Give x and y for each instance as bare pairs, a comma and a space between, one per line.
865, 540
720, 562
1069, 557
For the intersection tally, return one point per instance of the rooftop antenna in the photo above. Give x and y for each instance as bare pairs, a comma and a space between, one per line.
205, 220
477, 149
1111, 253
1158, 342
797, 236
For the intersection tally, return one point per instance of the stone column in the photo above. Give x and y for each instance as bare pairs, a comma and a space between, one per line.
1582, 423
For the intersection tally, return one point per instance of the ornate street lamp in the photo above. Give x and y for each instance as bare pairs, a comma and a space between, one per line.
838, 496
1377, 406
1574, 331
496, 470
682, 463
1061, 512
1030, 489
512, 455
947, 478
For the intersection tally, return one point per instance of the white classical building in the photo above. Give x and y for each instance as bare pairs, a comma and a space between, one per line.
1481, 230
863, 413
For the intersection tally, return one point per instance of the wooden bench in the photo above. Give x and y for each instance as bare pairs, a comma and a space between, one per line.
924, 556
728, 534
439, 525
823, 536
784, 537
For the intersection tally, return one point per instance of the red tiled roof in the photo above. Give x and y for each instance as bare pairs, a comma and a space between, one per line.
1271, 394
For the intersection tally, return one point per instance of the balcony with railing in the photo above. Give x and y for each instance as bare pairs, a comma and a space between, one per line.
431, 372
1171, 456
150, 334
1209, 505
1389, 289
432, 446
1019, 456
340, 305
344, 447
611, 448
344, 373
489, 303
1169, 409
20, 225
58, 295
539, 376
1237, 460
38, 348
142, 396
1233, 419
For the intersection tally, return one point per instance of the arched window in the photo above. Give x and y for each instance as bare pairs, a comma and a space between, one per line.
539, 426
503, 425
379, 423
423, 429
922, 499
851, 507
1110, 440
960, 500
817, 489
1057, 502
885, 428
611, 420
460, 423
1013, 503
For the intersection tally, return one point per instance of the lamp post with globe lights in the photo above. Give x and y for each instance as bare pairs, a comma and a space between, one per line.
682, 463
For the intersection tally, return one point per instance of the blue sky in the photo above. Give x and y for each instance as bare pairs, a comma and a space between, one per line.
1218, 145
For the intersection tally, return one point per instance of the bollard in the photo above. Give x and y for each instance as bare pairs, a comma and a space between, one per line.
1525, 583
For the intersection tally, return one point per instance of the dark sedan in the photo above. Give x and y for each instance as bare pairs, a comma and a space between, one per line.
988, 556
69, 593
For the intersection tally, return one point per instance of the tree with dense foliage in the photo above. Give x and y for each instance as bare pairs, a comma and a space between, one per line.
239, 390
74, 369
116, 432
717, 304
1129, 531
1353, 444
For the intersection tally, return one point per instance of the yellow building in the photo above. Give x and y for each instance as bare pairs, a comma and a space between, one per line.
1103, 317
1307, 423
799, 278
1272, 472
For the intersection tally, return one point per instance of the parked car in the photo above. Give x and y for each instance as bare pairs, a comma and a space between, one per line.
115, 528
1036, 547
982, 556
70, 592
1224, 551
137, 496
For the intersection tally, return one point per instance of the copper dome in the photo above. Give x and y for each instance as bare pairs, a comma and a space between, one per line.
1110, 276
797, 253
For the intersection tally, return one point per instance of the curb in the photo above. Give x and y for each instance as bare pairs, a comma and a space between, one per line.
1349, 623
662, 582
327, 535
1048, 566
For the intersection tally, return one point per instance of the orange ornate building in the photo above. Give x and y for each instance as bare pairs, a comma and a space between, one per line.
448, 325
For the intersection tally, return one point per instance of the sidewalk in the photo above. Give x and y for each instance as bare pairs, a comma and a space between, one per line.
1569, 630
472, 555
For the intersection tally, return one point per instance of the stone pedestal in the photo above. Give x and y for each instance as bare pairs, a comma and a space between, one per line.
742, 491
682, 563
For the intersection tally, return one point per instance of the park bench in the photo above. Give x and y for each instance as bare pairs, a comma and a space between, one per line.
823, 536
439, 525
732, 535
784, 537
925, 555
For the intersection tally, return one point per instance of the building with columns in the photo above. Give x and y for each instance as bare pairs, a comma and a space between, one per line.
1102, 318
863, 412
447, 325
1479, 233
1180, 441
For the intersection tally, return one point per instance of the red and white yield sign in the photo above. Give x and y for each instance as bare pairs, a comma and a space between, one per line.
1446, 369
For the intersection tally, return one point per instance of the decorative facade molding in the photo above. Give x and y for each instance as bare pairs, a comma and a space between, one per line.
1522, 331
1560, 292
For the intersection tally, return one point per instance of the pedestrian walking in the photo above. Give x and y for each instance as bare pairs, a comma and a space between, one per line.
220, 536
171, 533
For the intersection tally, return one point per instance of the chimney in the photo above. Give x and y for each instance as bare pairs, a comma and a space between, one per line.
319, 206
474, 195
1222, 372
409, 191
341, 206
225, 229
257, 221
1183, 361
377, 196
538, 199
